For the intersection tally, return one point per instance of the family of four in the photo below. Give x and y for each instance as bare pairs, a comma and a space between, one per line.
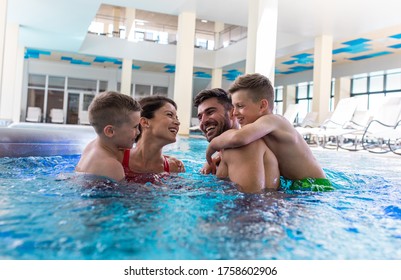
254, 146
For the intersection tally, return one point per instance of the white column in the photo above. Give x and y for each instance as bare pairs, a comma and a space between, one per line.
11, 87
342, 89
3, 23
218, 27
322, 75
184, 69
116, 21
130, 23
217, 77
261, 40
289, 93
126, 76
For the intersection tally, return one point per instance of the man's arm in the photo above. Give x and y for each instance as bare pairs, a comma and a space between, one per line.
234, 138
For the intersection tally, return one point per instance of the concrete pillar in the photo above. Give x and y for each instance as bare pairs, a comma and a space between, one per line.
130, 23
184, 69
11, 87
217, 77
218, 42
322, 76
126, 76
3, 23
261, 40
342, 89
289, 94
116, 21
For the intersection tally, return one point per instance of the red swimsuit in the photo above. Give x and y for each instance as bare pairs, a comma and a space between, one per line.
141, 177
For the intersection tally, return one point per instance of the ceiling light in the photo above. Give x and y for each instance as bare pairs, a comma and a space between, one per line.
204, 20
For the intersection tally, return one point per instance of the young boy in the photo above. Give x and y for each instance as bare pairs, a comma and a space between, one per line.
115, 118
253, 99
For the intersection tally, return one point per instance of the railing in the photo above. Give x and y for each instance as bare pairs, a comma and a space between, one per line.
167, 34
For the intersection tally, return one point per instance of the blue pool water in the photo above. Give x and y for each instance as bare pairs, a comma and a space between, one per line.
44, 214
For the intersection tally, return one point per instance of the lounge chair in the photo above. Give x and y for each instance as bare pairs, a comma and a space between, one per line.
57, 115
194, 125
34, 114
340, 117
394, 139
84, 118
291, 112
383, 127
380, 130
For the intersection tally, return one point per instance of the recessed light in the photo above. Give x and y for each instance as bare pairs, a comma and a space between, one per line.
204, 20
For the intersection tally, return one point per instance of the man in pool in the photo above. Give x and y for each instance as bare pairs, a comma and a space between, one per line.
253, 167
115, 118
253, 99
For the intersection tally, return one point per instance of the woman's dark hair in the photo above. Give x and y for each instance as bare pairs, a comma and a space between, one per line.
150, 105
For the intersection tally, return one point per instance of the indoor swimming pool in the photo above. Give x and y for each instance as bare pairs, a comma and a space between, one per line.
48, 213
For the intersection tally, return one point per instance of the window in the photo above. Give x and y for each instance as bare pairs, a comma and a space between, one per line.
371, 88
332, 90
142, 91
278, 100
81, 84
160, 90
303, 96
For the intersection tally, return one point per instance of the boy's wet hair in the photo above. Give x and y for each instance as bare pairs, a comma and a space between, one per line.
111, 108
150, 105
222, 97
257, 85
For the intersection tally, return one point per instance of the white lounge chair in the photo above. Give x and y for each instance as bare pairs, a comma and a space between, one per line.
384, 127
194, 124
33, 114
84, 118
57, 115
340, 117
292, 112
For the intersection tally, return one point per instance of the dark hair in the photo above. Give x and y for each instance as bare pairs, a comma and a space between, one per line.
222, 97
150, 105
259, 87
111, 108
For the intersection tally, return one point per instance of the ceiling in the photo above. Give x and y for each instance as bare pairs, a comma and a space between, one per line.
361, 29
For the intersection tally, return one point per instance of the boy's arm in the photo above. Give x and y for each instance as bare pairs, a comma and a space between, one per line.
234, 138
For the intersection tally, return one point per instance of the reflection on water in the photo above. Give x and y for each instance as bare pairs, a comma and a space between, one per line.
48, 212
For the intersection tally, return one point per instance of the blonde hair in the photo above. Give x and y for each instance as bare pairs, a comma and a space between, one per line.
258, 87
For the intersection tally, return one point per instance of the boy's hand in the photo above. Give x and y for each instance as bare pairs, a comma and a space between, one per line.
209, 152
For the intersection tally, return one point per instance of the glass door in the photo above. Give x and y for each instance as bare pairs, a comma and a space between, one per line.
85, 100
72, 108
77, 107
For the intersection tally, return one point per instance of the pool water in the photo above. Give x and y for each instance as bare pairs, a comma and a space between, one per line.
47, 213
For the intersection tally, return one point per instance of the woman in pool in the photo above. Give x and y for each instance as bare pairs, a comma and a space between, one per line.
159, 126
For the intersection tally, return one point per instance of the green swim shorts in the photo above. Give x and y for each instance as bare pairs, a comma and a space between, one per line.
312, 184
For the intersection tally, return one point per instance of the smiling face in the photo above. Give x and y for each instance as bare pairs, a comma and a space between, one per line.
245, 109
164, 124
214, 119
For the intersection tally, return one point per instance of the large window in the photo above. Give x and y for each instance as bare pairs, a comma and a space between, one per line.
50, 92
278, 100
303, 96
370, 88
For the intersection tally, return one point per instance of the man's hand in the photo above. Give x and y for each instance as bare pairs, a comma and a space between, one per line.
207, 169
